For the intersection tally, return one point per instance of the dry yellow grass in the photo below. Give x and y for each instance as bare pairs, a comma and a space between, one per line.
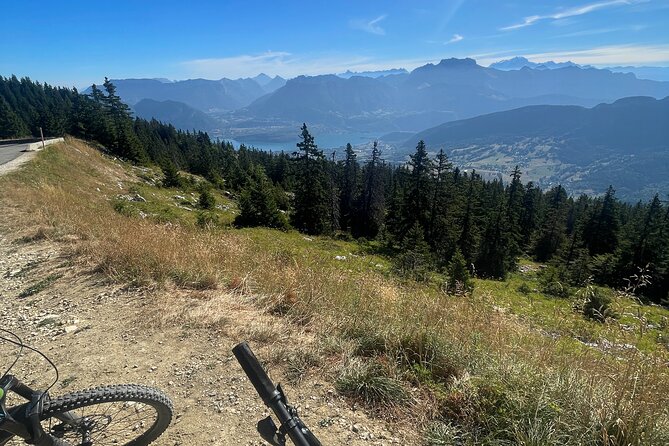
488, 378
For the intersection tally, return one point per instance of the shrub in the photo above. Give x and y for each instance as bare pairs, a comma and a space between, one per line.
554, 282
595, 304
370, 382
207, 219
524, 288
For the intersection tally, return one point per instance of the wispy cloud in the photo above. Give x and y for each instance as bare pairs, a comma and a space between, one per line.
288, 65
370, 26
597, 31
571, 12
455, 38
598, 56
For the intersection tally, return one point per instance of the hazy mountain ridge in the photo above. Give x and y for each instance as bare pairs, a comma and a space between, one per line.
400, 101
374, 74
624, 143
517, 63
452, 89
202, 94
180, 115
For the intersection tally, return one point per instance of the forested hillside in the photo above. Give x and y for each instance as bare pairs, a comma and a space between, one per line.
584, 149
428, 214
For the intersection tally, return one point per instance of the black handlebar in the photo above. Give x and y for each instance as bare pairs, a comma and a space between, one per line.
273, 397
257, 375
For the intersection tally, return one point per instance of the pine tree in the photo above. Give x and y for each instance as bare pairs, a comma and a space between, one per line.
172, 177
459, 279
257, 205
371, 206
552, 234
414, 259
601, 232
468, 241
349, 188
11, 126
207, 200
312, 204
416, 208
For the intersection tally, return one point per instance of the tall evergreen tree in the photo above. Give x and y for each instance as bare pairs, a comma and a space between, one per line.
416, 208
371, 207
312, 204
257, 206
601, 232
350, 185
552, 234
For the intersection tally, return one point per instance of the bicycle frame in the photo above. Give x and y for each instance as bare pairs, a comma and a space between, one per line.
23, 420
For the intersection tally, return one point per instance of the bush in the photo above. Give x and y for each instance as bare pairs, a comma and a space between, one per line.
554, 282
370, 382
595, 304
524, 288
208, 219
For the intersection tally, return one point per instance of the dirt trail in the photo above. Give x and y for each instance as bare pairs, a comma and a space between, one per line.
100, 333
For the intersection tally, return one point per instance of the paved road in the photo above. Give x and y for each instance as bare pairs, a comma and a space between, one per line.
8, 153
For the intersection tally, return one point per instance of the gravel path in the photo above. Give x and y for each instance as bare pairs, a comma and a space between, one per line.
100, 333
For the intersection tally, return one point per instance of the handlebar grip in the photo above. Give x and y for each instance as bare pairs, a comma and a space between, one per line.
257, 375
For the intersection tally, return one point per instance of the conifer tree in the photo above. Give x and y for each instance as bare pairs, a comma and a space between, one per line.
416, 208
552, 233
257, 205
371, 207
414, 259
601, 232
311, 206
349, 188
459, 279
11, 126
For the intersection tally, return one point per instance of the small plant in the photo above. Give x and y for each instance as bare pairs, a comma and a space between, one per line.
443, 434
208, 219
554, 283
595, 304
524, 288
124, 208
39, 286
370, 382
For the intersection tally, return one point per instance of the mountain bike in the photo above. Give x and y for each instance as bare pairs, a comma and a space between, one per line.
273, 396
129, 414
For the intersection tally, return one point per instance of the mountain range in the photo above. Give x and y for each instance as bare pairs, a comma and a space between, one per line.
435, 93
180, 115
382, 102
625, 143
561, 123
516, 63
202, 94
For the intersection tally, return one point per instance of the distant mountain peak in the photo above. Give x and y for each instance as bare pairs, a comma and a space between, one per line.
262, 79
454, 62
378, 73
520, 62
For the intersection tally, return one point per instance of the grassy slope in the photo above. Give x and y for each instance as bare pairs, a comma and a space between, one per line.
496, 367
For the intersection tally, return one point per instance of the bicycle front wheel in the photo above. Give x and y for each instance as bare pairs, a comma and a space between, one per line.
130, 415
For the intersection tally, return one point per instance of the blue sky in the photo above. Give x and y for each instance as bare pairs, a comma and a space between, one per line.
76, 43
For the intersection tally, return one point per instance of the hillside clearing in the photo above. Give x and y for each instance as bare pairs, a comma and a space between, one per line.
462, 369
